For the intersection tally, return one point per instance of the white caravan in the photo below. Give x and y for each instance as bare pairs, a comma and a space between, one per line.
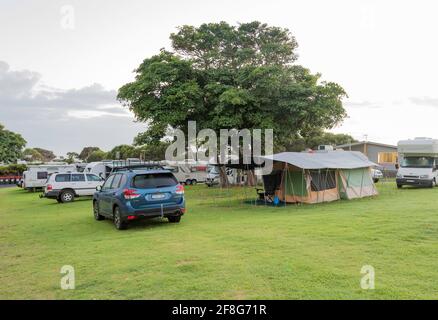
418, 160
36, 175
187, 172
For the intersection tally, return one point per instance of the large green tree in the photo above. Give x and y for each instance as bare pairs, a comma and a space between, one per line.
11, 145
225, 76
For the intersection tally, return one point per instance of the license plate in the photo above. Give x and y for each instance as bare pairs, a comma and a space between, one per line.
158, 196
410, 180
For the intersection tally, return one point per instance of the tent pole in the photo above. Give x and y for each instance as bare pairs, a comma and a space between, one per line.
284, 195
361, 185
302, 183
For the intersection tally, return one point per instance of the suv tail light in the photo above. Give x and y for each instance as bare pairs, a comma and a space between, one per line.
130, 194
179, 189
49, 187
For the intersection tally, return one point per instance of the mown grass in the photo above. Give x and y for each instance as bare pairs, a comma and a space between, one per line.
224, 248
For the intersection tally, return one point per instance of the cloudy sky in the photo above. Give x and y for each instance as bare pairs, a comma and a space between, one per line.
61, 62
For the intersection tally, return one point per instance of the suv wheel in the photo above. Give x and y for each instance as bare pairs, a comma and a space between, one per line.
96, 213
118, 222
67, 196
194, 181
174, 219
399, 186
188, 181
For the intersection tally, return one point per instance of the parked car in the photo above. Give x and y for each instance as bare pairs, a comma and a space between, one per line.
65, 187
376, 174
133, 194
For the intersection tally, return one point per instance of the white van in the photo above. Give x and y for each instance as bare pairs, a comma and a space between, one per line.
418, 160
36, 175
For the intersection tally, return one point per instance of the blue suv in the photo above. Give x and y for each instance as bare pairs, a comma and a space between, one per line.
134, 194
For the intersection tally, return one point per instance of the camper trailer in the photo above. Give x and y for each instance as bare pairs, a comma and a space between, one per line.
418, 162
188, 173
36, 176
233, 175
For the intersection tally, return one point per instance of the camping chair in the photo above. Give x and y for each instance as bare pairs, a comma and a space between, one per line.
271, 183
266, 194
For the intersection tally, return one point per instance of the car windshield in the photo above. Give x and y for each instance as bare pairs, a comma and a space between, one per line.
417, 162
154, 180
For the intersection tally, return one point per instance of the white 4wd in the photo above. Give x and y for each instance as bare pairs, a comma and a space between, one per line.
64, 187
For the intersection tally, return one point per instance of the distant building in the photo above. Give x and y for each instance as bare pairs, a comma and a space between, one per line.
385, 155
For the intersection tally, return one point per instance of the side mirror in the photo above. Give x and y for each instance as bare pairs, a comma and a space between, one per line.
99, 188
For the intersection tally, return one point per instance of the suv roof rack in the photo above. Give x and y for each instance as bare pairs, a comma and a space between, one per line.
123, 165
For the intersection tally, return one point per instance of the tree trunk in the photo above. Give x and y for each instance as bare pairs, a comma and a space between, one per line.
223, 177
251, 179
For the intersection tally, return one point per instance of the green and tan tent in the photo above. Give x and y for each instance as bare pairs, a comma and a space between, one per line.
312, 177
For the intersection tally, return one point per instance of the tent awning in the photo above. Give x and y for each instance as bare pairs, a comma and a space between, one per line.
324, 160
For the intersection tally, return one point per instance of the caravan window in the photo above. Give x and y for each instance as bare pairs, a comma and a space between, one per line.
322, 180
42, 175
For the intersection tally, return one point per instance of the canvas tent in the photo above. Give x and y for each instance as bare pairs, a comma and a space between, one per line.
312, 177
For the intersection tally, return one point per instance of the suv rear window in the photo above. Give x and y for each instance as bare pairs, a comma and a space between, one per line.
154, 180
62, 178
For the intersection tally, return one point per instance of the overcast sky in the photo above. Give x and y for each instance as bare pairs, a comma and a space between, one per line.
63, 61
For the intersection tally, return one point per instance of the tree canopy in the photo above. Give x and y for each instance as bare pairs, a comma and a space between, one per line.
32, 155
315, 138
86, 152
97, 155
232, 77
72, 156
11, 145
46, 154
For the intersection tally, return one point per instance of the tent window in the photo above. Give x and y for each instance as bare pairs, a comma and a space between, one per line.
323, 180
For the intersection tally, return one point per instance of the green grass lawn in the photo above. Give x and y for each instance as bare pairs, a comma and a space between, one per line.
224, 248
